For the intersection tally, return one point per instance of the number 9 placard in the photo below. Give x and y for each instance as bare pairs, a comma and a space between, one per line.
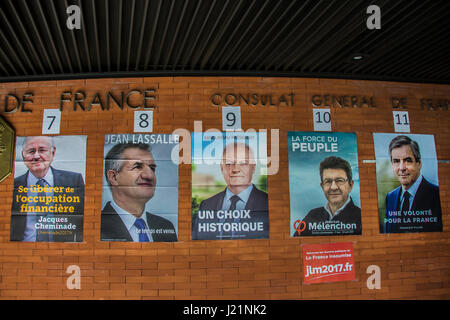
231, 118
143, 121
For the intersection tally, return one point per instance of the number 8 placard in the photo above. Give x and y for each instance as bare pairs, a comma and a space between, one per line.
143, 121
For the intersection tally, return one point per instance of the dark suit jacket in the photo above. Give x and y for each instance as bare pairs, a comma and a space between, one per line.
113, 228
257, 203
61, 178
350, 214
426, 198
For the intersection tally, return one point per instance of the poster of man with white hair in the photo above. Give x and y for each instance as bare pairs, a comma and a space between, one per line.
48, 195
229, 186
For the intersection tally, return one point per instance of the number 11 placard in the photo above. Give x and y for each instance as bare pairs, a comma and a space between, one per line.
401, 121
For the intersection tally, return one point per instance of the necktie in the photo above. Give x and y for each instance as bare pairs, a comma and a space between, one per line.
44, 235
41, 183
234, 199
405, 206
140, 224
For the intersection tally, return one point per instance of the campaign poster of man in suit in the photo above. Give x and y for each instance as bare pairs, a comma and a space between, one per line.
229, 186
407, 183
324, 184
48, 195
140, 188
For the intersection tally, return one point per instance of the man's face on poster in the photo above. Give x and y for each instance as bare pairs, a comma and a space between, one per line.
38, 155
336, 186
238, 166
405, 166
136, 179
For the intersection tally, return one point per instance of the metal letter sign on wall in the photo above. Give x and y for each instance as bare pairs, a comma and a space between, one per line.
6, 149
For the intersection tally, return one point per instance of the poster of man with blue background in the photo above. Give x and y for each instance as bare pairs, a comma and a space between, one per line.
324, 184
407, 183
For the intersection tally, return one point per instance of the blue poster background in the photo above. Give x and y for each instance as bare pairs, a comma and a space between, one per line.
304, 175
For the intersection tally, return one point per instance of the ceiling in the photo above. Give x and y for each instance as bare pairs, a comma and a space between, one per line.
316, 38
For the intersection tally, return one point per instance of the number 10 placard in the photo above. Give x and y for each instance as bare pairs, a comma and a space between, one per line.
322, 119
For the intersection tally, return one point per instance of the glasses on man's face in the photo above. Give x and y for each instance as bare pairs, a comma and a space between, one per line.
29, 153
339, 182
242, 163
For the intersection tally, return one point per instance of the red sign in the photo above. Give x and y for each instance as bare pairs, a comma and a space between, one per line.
328, 262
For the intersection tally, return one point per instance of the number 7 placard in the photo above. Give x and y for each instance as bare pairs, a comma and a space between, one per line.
51, 121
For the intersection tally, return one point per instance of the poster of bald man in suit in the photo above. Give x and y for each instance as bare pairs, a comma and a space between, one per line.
48, 195
229, 186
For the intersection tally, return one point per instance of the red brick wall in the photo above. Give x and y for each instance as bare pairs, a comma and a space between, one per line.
413, 266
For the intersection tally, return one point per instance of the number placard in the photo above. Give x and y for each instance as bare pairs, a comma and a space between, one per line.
143, 121
322, 119
231, 118
401, 121
51, 121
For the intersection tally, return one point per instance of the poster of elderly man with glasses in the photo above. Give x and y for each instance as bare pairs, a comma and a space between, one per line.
229, 186
324, 184
48, 195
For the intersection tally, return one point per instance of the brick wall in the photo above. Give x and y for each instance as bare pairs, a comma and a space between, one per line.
413, 266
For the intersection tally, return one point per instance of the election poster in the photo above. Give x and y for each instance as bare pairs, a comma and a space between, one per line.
407, 183
140, 188
324, 184
49, 186
329, 262
229, 186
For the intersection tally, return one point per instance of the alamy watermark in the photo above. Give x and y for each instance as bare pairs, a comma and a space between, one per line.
374, 20
74, 18
74, 280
